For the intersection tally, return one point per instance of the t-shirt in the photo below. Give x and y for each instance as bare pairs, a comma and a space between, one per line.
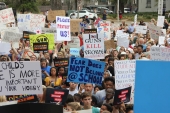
95, 110
101, 95
57, 82
47, 69
73, 92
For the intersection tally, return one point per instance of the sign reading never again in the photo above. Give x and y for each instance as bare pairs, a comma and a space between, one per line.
83, 70
20, 78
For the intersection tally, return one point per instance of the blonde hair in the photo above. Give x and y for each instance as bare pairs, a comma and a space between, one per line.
3, 99
74, 106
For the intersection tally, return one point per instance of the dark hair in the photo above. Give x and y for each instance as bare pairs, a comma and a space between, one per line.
78, 95
53, 68
109, 107
85, 94
94, 101
43, 60
110, 59
111, 79
140, 46
69, 99
97, 86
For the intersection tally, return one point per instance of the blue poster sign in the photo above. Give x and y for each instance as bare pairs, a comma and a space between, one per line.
152, 87
75, 51
83, 70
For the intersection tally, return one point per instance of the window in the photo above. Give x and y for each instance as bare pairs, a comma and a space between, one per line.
148, 3
82, 11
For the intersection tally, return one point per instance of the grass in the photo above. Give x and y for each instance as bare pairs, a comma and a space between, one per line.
147, 16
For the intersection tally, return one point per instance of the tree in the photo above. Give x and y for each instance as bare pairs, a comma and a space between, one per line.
56, 4
121, 4
23, 5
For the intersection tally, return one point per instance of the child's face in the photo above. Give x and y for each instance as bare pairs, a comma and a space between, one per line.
69, 109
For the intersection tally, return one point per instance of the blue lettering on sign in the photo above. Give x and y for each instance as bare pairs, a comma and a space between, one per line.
83, 70
59, 19
63, 33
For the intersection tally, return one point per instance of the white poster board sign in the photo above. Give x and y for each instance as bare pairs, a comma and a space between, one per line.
6, 48
7, 16
19, 78
135, 19
74, 43
141, 29
160, 21
63, 28
161, 40
104, 27
11, 36
160, 53
93, 46
118, 33
125, 75
123, 41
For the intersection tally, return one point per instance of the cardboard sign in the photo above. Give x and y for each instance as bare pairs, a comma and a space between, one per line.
32, 108
83, 70
93, 46
40, 47
90, 31
110, 44
52, 14
160, 53
6, 48
6, 16
56, 96
26, 35
63, 28
74, 43
75, 51
39, 38
104, 28
24, 78
152, 87
75, 25
125, 75
122, 95
141, 29
61, 62
9, 36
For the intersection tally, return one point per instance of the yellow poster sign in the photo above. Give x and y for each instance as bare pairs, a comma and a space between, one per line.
39, 38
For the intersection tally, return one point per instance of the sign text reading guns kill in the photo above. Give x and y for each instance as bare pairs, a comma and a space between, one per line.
63, 28
93, 46
20, 78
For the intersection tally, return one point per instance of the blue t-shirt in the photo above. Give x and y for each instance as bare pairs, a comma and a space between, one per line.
95, 110
47, 69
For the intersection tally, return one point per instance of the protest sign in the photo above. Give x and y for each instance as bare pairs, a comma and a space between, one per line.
6, 48
7, 103
40, 47
125, 75
50, 30
26, 35
104, 28
56, 96
9, 36
75, 51
24, 78
74, 43
61, 62
123, 41
93, 46
75, 25
90, 31
12, 29
122, 95
152, 87
63, 28
6, 16
161, 40
118, 33
141, 29
135, 19
29, 99
83, 70
160, 21
52, 14
154, 31
110, 44
160, 53
23, 22
39, 38
82, 111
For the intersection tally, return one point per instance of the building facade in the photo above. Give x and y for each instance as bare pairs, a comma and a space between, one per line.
151, 5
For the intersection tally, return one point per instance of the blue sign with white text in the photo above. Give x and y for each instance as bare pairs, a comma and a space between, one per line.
75, 51
83, 70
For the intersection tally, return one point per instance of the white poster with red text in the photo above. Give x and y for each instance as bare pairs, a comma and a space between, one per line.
104, 28
6, 16
93, 46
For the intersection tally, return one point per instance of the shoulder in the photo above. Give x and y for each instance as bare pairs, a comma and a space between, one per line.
47, 78
95, 110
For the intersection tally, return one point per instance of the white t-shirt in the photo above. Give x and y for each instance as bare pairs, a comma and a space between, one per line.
73, 92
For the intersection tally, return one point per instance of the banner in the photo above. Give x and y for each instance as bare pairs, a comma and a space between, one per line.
58, 96
52, 14
61, 62
6, 16
125, 75
75, 25
160, 53
39, 38
104, 28
83, 70
63, 28
40, 47
141, 29
93, 46
23, 78
9, 36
